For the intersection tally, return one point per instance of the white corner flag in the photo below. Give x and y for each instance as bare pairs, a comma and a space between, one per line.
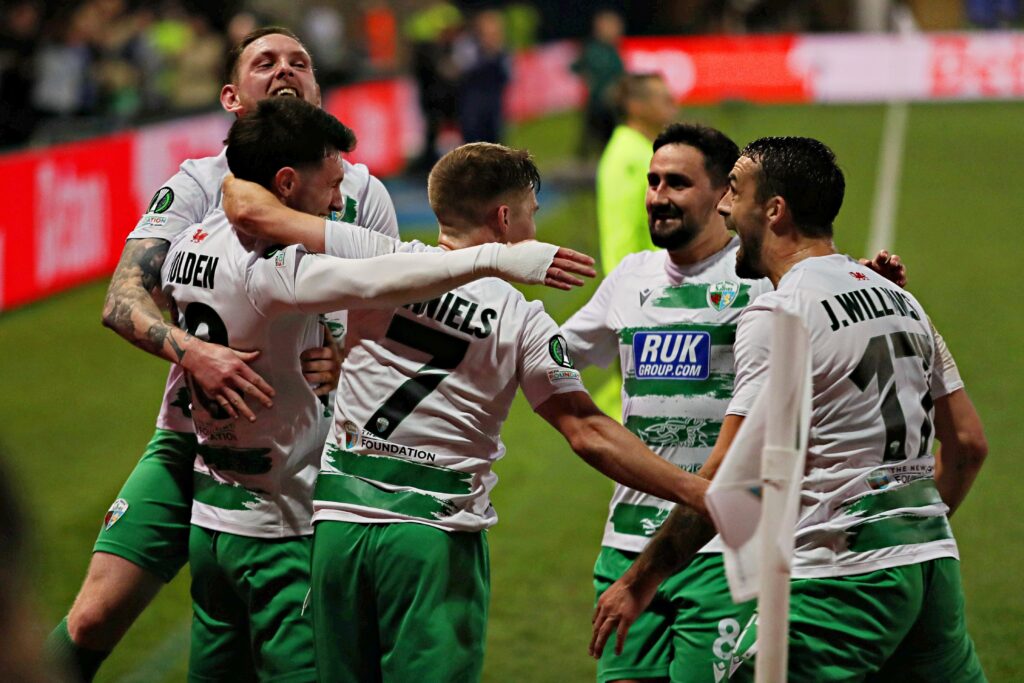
754, 497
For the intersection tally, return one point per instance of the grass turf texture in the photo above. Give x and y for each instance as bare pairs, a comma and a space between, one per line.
78, 404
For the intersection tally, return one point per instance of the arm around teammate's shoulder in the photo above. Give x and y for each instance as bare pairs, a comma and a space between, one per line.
130, 310
255, 211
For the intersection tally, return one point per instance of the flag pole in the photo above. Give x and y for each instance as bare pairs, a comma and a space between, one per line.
787, 375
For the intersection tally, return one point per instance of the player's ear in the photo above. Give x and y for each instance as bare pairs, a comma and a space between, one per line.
229, 99
502, 215
285, 181
775, 209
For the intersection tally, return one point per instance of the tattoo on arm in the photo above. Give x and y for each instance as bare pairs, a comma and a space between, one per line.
129, 308
180, 352
677, 542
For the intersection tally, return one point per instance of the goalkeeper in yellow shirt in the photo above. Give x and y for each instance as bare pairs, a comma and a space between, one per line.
644, 106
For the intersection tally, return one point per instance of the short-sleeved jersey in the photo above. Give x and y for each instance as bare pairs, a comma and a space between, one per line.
424, 391
868, 498
672, 329
195, 190
252, 478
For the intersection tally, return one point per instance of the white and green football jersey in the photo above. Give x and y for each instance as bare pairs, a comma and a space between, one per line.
195, 190
868, 499
673, 329
424, 391
252, 478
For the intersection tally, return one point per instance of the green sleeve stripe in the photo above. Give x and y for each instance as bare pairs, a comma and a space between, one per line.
345, 489
211, 492
637, 520
685, 432
721, 334
395, 472
898, 530
692, 295
916, 494
718, 385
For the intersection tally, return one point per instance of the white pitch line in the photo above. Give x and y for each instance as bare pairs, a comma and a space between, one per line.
887, 181
154, 667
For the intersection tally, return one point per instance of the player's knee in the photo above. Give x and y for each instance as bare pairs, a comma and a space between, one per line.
114, 594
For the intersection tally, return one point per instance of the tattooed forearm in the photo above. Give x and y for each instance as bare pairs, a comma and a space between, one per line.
129, 308
680, 537
180, 352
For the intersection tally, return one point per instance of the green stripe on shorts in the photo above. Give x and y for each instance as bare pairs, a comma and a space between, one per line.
211, 492
637, 520
388, 470
343, 488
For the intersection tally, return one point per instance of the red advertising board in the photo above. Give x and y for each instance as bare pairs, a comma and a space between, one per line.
716, 68
66, 211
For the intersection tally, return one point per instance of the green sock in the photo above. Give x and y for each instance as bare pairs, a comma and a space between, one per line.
64, 652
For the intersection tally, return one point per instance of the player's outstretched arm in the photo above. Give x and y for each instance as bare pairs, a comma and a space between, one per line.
316, 283
131, 310
686, 531
963, 447
616, 452
253, 209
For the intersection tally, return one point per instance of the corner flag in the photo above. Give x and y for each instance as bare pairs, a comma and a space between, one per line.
754, 496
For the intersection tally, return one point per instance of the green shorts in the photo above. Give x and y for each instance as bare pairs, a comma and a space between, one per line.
901, 624
647, 652
247, 599
148, 524
399, 602
707, 624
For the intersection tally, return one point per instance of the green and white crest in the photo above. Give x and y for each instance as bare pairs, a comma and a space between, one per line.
161, 201
559, 350
721, 295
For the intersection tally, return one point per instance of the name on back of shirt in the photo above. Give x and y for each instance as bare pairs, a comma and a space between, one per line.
458, 313
197, 270
868, 303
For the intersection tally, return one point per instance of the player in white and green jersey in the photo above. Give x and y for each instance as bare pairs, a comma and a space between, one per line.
670, 318
876, 592
143, 541
250, 540
402, 502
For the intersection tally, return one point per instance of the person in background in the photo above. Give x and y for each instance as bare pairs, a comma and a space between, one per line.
644, 106
19, 34
600, 65
484, 71
431, 31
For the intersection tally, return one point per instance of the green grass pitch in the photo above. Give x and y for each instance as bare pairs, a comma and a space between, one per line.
78, 404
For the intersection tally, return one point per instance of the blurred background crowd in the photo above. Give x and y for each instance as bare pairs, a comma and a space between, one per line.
74, 69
